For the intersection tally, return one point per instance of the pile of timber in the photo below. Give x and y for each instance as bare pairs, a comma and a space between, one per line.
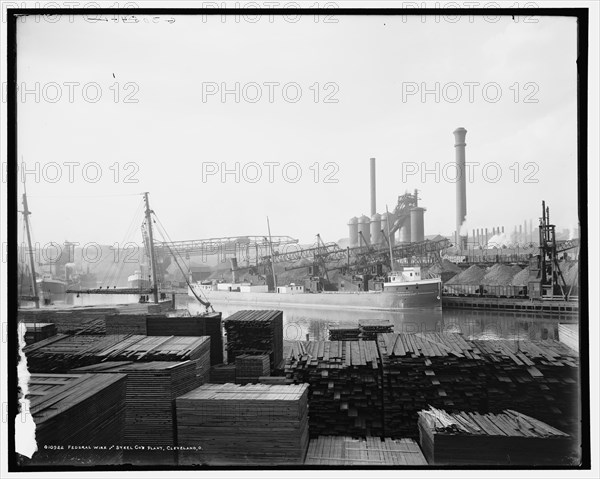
427, 368
248, 368
344, 333
508, 438
82, 321
222, 373
279, 380
208, 324
345, 386
255, 332
34, 332
82, 414
126, 323
253, 424
150, 404
568, 334
370, 328
370, 451
62, 353
161, 325
539, 378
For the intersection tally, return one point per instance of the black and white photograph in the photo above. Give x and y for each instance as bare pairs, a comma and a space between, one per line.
270, 238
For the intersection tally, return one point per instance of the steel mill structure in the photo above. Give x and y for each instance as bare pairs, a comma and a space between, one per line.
405, 224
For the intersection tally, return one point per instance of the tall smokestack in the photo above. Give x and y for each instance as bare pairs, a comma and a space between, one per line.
373, 188
461, 185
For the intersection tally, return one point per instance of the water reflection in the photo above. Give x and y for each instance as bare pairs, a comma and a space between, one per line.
300, 322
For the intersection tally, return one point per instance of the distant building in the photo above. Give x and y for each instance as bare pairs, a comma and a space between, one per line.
290, 289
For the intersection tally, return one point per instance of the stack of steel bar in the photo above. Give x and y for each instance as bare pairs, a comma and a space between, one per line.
62, 353
538, 378
222, 373
427, 368
253, 424
370, 328
35, 332
344, 333
150, 403
248, 368
509, 438
370, 451
345, 385
255, 332
77, 417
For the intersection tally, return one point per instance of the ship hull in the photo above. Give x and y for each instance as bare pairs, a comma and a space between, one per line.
52, 286
421, 296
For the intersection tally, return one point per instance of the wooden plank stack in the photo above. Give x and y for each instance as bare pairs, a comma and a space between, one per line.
162, 325
345, 386
509, 438
369, 452
222, 373
77, 410
568, 334
126, 323
344, 333
255, 332
208, 324
246, 425
248, 368
152, 388
370, 328
538, 378
35, 332
77, 320
62, 353
427, 368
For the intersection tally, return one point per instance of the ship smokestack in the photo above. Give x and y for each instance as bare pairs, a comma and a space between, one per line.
461, 186
373, 188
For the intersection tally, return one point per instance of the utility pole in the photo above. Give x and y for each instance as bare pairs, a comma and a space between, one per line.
151, 246
271, 248
26, 214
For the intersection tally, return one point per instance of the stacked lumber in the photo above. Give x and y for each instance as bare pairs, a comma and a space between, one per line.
344, 333
568, 334
370, 328
35, 332
125, 323
508, 438
369, 451
161, 348
539, 378
248, 368
83, 321
280, 380
62, 353
84, 414
208, 324
152, 388
222, 373
345, 385
253, 424
255, 332
427, 368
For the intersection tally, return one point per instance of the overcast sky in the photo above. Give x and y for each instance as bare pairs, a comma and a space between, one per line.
360, 81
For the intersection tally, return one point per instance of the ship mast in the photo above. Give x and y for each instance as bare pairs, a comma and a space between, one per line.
26, 214
151, 246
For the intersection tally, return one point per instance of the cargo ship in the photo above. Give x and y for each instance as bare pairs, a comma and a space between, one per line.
404, 289
137, 280
50, 285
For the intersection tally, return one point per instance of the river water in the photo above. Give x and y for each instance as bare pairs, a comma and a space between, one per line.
300, 322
